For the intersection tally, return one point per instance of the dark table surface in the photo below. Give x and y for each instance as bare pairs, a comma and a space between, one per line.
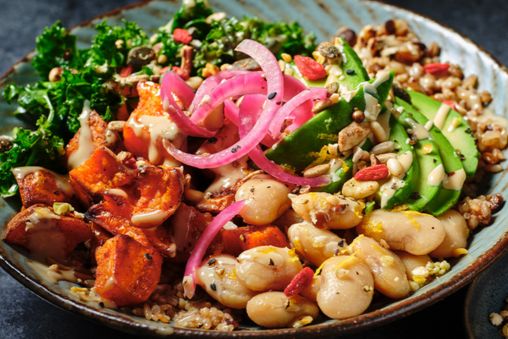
24, 315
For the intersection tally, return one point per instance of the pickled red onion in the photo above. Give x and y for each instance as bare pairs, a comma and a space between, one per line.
289, 108
275, 84
173, 84
204, 241
247, 118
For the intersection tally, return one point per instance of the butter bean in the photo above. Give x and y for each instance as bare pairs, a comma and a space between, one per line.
266, 268
413, 232
275, 309
457, 232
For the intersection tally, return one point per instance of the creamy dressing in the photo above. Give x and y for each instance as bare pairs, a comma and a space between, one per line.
149, 219
389, 188
441, 115
436, 176
335, 164
454, 124
61, 181
117, 191
372, 107
417, 129
53, 273
158, 127
85, 142
227, 176
455, 181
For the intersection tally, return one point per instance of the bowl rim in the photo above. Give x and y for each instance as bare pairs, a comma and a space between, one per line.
364, 321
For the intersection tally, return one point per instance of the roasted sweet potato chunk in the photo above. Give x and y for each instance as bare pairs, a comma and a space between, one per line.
97, 137
186, 225
159, 191
114, 216
127, 271
235, 241
45, 234
38, 185
147, 123
102, 171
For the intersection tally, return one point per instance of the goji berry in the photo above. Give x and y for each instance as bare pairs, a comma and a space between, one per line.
126, 71
310, 68
436, 68
372, 173
182, 35
300, 282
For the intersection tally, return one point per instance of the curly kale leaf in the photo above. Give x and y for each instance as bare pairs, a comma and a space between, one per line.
54, 47
39, 147
224, 35
112, 44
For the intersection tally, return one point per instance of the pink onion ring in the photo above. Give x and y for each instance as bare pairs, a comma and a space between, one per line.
275, 91
172, 84
288, 109
204, 241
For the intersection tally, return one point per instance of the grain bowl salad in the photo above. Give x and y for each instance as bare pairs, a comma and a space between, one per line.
229, 171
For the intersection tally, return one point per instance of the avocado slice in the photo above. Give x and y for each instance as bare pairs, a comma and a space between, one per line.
448, 195
397, 191
428, 159
454, 128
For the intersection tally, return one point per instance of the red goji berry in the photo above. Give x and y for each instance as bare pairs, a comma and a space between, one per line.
310, 68
299, 282
450, 103
372, 173
126, 71
182, 35
436, 68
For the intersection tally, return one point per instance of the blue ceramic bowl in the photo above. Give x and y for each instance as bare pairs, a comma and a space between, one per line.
323, 17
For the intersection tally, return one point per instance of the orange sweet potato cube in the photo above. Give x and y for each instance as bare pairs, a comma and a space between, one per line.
127, 272
234, 241
45, 234
102, 171
38, 185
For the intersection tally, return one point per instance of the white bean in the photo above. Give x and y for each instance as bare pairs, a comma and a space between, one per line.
412, 261
388, 270
410, 231
266, 268
457, 232
314, 244
325, 210
275, 309
346, 287
265, 200
218, 277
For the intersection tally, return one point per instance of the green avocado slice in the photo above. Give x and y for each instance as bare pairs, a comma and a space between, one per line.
427, 157
405, 186
447, 197
455, 129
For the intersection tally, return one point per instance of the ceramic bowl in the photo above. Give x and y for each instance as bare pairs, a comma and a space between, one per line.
323, 17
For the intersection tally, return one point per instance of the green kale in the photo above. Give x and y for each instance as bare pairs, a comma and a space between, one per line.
224, 35
112, 44
54, 47
39, 147
191, 10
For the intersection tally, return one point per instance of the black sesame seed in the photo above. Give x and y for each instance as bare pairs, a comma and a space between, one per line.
350, 72
252, 190
101, 304
148, 256
212, 261
415, 195
272, 95
213, 286
212, 140
271, 262
235, 149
